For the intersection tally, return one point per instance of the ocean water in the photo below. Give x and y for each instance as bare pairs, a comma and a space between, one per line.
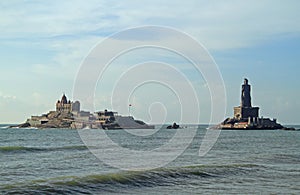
56, 161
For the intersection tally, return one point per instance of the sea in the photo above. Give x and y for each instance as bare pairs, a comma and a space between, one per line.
60, 161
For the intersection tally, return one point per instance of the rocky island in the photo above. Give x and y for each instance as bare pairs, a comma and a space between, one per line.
247, 117
68, 115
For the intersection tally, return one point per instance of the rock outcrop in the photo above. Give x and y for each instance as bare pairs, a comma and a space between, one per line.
247, 117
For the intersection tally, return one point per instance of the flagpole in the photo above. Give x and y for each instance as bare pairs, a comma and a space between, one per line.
129, 109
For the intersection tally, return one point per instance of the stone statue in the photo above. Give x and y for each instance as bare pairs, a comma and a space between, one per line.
246, 97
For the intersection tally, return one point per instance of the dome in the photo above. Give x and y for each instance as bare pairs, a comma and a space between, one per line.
64, 99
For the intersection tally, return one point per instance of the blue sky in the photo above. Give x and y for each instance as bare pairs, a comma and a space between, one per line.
43, 43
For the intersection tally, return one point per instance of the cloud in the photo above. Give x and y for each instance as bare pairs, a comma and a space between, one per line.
217, 24
67, 31
8, 97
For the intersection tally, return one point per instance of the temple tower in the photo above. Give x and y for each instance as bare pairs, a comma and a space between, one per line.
63, 105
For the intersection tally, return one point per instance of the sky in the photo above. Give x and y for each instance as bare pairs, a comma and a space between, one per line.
43, 45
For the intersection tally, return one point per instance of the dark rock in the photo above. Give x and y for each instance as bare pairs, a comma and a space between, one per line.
288, 128
23, 125
174, 126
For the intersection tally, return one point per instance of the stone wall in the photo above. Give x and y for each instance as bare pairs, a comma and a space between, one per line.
246, 112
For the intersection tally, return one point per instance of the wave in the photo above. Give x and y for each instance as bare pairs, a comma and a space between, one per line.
16, 149
283, 158
127, 180
4, 127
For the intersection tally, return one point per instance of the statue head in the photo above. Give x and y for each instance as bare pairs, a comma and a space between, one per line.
246, 81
